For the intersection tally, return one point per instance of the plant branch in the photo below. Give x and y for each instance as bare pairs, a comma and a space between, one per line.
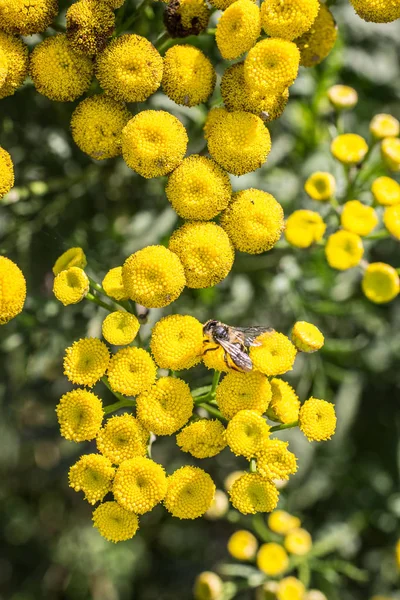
284, 426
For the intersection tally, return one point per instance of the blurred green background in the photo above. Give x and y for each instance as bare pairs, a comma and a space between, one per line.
62, 198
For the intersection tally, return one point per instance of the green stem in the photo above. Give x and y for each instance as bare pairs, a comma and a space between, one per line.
378, 235
213, 411
163, 41
96, 286
253, 465
120, 404
96, 300
215, 382
284, 426
201, 391
119, 396
261, 528
58, 27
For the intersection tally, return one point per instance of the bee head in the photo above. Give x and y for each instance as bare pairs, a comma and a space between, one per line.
209, 327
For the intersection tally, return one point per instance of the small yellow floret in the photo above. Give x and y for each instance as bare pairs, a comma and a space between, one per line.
190, 493
304, 228
344, 250
120, 328
92, 474
188, 77
380, 283
89, 25
131, 371
342, 97
275, 461
298, 541
307, 337
238, 29
115, 523
358, 218
202, 439
285, 404
282, 522
16, 64
214, 116
290, 588
242, 545
6, 172
272, 64
272, 559
349, 148
113, 284
320, 186
252, 493
208, 586
80, 415
386, 191
318, 41
390, 150
275, 354
391, 219
177, 342
12, 290
246, 433
71, 286
139, 484
74, 257
377, 11
317, 420
26, 18
123, 437
289, 19
243, 391
86, 361
383, 126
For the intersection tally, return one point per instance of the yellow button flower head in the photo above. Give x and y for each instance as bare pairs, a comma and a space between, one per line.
307, 337
186, 17
317, 420
282, 522
120, 328
26, 18
391, 219
80, 414
166, 406
272, 559
289, 19
377, 11
298, 541
219, 506
344, 250
390, 150
73, 257
113, 284
139, 484
190, 493
342, 97
231, 478
115, 523
202, 439
3, 67
290, 588
349, 148
380, 283
154, 143
154, 277
177, 342
89, 25
97, 124
238, 29
304, 228
275, 461
188, 77
398, 553
205, 252
252, 493
320, 186
208, 586
239, 142
6, 172
358, 218
16, 63
242, 545
92, 475
383, 126
318, 41
253, 221
131, 371
130, 68
198, 189
86, 361
246, 433
275, 354
243, 391
317, 595
386, 191
123, 437
272, 65
285, 404
214, 116
71, 286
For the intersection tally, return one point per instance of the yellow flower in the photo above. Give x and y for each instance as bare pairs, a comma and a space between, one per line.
86, 361
92, 475
80, 414
186, 17
177, 342
290, 588
275, 461
317, 595
130, 68
115, 523
71, 286
166, 406
307, 337
198, 189
242, 545
304, 228
344, 250
6, 172
386, 191
298, 541
253, 221
383, 126
131, 371
120, 328
26, 18
317, 420
285, 404
154, 276
391, 219
272, 559
205, 252
252, 493
74, 257
398, 553
290, 19
154, 143
214, 116
113, 284
275, 354
243, 391
358, 218
238, 29
320, 186
231, 478
202, 439
377, 11
58, 72
282, 522
318, 41
380, 283
89, 25
12, 290
342, 97
15, 55
97, 124
190, 493
390, 149
219, 506
188, 77
239, 142
272, 64
246, 433
349, 148
123, 437
139, 484
208, 586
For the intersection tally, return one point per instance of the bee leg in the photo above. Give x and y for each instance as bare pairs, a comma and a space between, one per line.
210, 350
232, 367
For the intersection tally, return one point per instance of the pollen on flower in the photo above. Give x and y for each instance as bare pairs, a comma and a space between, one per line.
238, 29
282, 522
139, 484
177, 342
320, 186
349, 148
115, 523
272, 559
123, 437
377, 11
390, 150
202, 439
342, 97
73, 257
275, 461
131, 371
86, 361
243, 391
386, 191
120, 328
242, 545
304, 228
275, 354
188, 77
380, 282
272, 64
358, 218
71, 286
290, 19
383, 126
93, 475
26, 18
307, 337
298, 541
80, 415
89, 25
344, 250
391, 219
186, 17
252, 493
16, 62
190, 493
113, 284
6, 172
246, 433
317, 420
316, 43
285, 404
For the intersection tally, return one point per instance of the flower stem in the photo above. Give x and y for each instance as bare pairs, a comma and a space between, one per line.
96, 286
96, 300
215, 382
212, 410
119, 396
284, 426
120, 404
378, 235
163, 41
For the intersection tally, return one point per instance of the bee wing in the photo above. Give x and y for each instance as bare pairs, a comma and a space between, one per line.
249, 334
240, 358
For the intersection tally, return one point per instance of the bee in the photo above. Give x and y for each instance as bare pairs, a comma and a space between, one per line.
235, 341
